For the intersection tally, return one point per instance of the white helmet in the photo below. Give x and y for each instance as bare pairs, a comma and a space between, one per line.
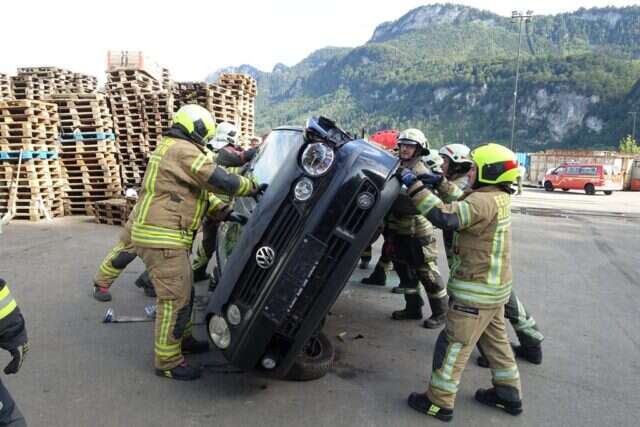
457, 153
434, 161
414, 137
226, 133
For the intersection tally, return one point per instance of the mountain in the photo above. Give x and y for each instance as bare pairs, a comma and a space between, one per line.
450, 70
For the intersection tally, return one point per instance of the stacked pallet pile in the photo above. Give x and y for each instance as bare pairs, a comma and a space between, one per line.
5, 87
215, 98
126, 89
44, 82
88, 151
244, 88
31, 177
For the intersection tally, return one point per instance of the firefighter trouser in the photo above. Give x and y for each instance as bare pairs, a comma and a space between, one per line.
207, 246
414, 260
122, 254
10, 415
466, 327
171, 275
522, 322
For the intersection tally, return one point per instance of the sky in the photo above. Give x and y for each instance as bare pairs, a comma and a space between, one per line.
193, 38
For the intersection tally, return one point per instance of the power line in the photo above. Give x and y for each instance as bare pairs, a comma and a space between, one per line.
521, 17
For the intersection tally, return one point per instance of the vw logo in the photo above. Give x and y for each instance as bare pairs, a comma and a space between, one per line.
265, 256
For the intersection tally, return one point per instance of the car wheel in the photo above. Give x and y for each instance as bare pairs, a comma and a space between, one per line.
608, 192
314, 361
548, 186
590, 189
565, 189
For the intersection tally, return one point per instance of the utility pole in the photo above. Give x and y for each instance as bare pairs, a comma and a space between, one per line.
633, 131
522, 17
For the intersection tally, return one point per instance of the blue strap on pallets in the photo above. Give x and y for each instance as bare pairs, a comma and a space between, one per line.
81, 136
29, 155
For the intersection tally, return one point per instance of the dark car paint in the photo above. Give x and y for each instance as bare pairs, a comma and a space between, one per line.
298, 265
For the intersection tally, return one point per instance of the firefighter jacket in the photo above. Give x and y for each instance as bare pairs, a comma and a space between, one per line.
175, 192
481, 264
13, 333
404, 219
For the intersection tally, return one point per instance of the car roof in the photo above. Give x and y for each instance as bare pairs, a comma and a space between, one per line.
293, 128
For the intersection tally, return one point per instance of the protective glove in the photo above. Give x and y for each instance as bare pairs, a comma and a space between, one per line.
236, 217
250, 154
18, 355
431, 179
406, 176
260, 189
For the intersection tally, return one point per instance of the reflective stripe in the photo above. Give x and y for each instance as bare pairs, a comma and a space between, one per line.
452, 356
497, 253
106, 267
479, 293
7, 303
151, 175
426, 204
442, 378
454, 194
200, 204
438, 295
464, 213
200, 258
198, 163
167, 351
438, 382
148, 234
505, 374
527, 324
214, 204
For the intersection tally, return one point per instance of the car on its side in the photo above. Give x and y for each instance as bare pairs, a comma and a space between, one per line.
280, 273
588, 177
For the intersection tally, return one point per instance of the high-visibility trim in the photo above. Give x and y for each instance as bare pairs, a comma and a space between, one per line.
527, 324
454, 194
464, 213
479, 293
497, 253
200, 258
106, 267
198, 163
200, 206
4, 292
214, 204
167, 309
167, 351
452, 355
425, 205
7, 306
149, 183
437, 382
143, 234
505, 374
438, 295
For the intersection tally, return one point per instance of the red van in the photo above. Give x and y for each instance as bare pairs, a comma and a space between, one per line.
589, 177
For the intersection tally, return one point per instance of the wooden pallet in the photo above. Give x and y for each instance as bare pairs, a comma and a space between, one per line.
112, 211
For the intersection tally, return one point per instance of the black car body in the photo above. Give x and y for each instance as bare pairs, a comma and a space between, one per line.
292, 259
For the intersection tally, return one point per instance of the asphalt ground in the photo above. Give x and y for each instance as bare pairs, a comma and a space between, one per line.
577, 274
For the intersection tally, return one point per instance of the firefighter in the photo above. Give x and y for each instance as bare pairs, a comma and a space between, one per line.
13, 338
228, 155
456, 168
414, 245
479, 284
180, 174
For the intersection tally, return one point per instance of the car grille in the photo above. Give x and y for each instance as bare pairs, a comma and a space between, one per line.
354, 216
286, 226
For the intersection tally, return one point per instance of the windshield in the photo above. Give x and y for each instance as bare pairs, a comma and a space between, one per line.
274, 152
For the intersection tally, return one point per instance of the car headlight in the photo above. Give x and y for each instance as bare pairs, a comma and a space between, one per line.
234, 315
303, 190
219, 332
317, 158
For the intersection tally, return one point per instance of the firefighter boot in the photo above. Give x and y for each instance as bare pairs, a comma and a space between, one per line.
407, 278
190, 345
144, 282
438, 313
377, 278
182, 372
503, 397
101, 294
421, 403
412, 310
531, 353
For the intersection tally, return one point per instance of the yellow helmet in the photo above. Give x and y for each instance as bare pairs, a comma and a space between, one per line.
197, 122
496, 164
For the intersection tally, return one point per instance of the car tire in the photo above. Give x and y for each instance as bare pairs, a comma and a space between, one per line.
548, 186
590, 189
608, 192
565, 189
314, 361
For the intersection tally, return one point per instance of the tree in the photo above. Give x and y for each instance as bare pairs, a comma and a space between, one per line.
629, 145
